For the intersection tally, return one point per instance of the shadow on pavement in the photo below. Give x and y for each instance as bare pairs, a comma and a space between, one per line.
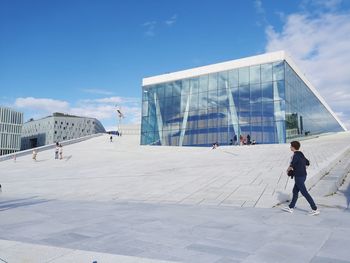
42, 160
282, 197
11, 204
346, 193
68, 158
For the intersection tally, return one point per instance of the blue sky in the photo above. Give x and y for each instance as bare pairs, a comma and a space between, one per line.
84, 57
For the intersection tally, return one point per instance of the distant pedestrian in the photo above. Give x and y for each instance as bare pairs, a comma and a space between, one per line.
248, 139
111, 138
35, 153
61, 151
241, 139
14, 157
297, 169
57, 149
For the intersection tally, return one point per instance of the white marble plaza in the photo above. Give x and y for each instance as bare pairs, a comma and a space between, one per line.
122, 171
120, 202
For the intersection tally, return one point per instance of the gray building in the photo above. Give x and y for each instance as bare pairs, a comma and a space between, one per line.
11, 122
56, 128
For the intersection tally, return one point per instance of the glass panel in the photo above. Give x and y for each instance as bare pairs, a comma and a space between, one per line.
145, 108
266, 72
194, 102
233, 78
177, 88
243, 76
256, 133
213, 81
268, 112
203, 119
185, 87
268, 132
255, 74
223, 80
244, 94
223, 100
194, 85
278, 70
203, 83
160, 91
279, 110
168, 90
255, 112
255, 93
267, 91
212, 98
202, 101
244, 114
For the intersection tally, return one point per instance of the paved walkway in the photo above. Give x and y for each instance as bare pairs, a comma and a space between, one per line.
66, 230
97, 170
118, 202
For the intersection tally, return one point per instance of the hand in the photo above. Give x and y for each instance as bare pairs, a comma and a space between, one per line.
289, 169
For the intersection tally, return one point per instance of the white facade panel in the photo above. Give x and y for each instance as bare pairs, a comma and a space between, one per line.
59, 128
11, 122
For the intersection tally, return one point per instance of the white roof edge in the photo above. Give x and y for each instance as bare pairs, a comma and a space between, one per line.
232, 64
313, 89
238, 63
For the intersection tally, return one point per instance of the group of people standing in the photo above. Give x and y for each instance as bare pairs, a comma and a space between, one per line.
242, 140
58, 151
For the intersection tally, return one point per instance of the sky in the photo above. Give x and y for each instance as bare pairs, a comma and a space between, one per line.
84, 57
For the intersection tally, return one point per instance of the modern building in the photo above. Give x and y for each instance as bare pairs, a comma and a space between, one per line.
56, 128
11, 122
266, 97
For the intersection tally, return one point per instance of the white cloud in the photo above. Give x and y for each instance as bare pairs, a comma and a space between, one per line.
319, 42
103, 109
150, 27
172, 20
97, 91
258, 7
117, 100
42, 104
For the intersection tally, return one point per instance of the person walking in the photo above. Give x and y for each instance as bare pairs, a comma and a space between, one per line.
35, 153
235, 139
61, 151
57, 148
297, 169
111, 138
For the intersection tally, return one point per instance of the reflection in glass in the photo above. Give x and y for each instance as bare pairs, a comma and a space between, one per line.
243, 76
269, 102
254, 74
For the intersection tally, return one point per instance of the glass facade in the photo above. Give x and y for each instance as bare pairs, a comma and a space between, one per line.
268, 102
305, 114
